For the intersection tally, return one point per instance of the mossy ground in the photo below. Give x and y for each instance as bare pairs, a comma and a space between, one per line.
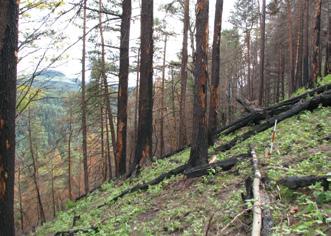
181, 206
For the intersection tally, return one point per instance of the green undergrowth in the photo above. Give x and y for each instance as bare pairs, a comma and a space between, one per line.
181, 206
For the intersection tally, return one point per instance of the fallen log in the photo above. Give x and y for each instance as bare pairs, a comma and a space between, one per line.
145, 186
175, 152
247, 105
257, 207
296, 99
257, 116
324, 99
267, 222
72, 232
296, 182
253, 118
225, 165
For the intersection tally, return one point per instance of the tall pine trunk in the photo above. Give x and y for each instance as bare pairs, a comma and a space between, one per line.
290, 46
306, 47
105, 84
199, 146
162, 97
328, 54
35, 172
182, 139
316, 43
69, 156
122, 115
8, 75
215, 70
299, 52
83, 104
262, 49
20, 199
145, 121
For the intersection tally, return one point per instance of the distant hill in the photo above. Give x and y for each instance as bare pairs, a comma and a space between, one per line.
52, 74
56, 81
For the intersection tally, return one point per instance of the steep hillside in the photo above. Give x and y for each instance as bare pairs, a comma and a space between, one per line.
213, 203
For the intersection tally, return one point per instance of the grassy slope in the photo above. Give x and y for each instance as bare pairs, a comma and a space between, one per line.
180, 206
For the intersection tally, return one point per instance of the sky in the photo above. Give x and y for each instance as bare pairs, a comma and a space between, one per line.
71, 65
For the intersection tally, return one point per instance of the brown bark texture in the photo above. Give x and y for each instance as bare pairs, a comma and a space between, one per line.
83, 104
8, 75
122, 115
262, 50
316, 43
182, 140
199, 146
215, 73
144, 140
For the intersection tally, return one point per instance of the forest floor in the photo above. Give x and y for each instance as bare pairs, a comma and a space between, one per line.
212, 204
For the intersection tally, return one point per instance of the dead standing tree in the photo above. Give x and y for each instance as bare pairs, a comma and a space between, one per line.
145, 121
199, 146
182, 140
123, 90
215, 76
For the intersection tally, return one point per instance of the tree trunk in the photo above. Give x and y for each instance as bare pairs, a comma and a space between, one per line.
105, 84
122, 115
162, 98
215, 76
83, 102
8, 75
53, 189
35, 172
173, 108
145, 120
249, 77
137, 100
20, 199
290, 46
262, 49
69, 157
102, 133
299, 49
108, 149
182, 140
306, 47
199, 146
328, 54
316, 43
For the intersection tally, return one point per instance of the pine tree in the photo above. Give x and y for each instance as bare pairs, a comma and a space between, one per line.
199, 146
8, 75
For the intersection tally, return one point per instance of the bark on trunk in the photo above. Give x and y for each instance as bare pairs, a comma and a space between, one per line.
316, 44
215, 76
257, 210
145, 121
162, 98
69, 156
8, 74
306, 47
105, 85
182, 139
137, 100
262, 49
122, 115
199, 146
20, 200
299, 49
328, 54
83, 104
35, 172
290, 46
